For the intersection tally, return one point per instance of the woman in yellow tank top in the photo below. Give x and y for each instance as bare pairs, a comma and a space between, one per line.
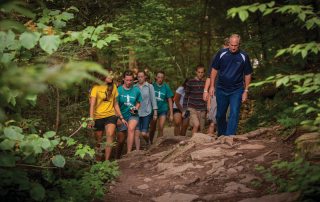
103, 104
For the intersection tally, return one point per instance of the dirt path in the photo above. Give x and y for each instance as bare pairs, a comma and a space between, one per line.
203, 168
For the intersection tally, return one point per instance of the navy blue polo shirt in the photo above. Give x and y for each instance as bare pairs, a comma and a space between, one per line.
231, 68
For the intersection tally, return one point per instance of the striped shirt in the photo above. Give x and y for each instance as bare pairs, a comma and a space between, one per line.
193, 97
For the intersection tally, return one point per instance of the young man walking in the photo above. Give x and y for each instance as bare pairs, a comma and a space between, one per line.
231, 63
193, 100
211, 101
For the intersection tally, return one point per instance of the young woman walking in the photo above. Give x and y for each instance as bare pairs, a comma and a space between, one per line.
162, 93
103, 106
147, 105
177, 110
129, 101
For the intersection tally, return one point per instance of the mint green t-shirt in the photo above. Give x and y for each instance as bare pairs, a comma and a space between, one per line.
162, 93
127, 99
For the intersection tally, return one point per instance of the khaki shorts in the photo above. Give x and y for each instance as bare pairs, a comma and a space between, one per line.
213, 110
197, 117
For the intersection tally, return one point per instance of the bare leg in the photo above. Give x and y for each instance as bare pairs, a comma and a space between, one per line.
195, 129
137, 139
109, 132
131, 127
98, 138
211, 128
145, 137
153, 125
162, 120
184, 128
121, 136
177, 117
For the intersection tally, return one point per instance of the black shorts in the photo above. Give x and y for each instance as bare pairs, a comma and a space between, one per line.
100, 124
175, 110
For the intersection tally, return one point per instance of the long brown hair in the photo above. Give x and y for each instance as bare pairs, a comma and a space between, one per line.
102, 78
184, 85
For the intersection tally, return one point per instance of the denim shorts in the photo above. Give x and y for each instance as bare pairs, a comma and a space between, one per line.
143, 124
124, 127
176, 110
99, 124
164, 113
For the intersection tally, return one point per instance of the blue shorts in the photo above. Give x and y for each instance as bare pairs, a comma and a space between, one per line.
124, 127
176, 110
143, 124
164, 113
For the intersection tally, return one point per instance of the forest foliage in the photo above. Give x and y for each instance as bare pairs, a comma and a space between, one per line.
50, 52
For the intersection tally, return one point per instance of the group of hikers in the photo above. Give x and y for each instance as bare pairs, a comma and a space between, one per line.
134, 104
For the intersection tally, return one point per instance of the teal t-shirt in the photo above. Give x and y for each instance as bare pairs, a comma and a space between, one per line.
127, 99
162, 93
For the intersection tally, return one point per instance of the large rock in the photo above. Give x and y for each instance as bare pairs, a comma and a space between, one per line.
144, 186
135, 153
284, 197
232, 186
249, 178
178, 197
207, 153
252, 146
307, 147
177, 152
180, 169
201, 138
163, 166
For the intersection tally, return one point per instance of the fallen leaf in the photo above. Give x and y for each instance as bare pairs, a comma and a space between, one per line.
141, 175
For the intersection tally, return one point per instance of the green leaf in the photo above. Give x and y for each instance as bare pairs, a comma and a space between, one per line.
49, 134
37, 192
280, 52
12, 134
306, 122
48, 175
304, 53
58, 161
309, 23
65, 16
58, 24
84, 124
266, 12
271, 4
6, 38
6, 93
45, 144
262, 7
29, 39
49, 43
7, 144
7, 57
279, 83
7, 24
302, 16
43, 20
30, 159
253, 9
7, 160
24, 186
243, 15
56, 12
74, 8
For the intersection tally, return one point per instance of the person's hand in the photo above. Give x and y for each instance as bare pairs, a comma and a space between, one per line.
171, 118
155, 117
207, 115
205, 96
132, 111
119, 123
212, 90
244, 96
124, 122
183, 114
91, 124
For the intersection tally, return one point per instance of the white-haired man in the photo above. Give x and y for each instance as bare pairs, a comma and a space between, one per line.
231, 63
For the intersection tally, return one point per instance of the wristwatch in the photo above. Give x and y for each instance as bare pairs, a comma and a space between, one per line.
247, 91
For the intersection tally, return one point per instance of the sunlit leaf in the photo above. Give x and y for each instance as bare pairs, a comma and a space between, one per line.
49, 43
29, 39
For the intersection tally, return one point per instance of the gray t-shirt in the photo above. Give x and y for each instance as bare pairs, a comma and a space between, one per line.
209, 73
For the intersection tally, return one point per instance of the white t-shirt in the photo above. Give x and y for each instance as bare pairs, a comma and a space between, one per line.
181, 91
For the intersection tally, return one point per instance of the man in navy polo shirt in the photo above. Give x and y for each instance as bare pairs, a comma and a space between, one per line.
231, 63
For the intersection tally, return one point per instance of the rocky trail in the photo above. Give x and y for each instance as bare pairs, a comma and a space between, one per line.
202, 168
